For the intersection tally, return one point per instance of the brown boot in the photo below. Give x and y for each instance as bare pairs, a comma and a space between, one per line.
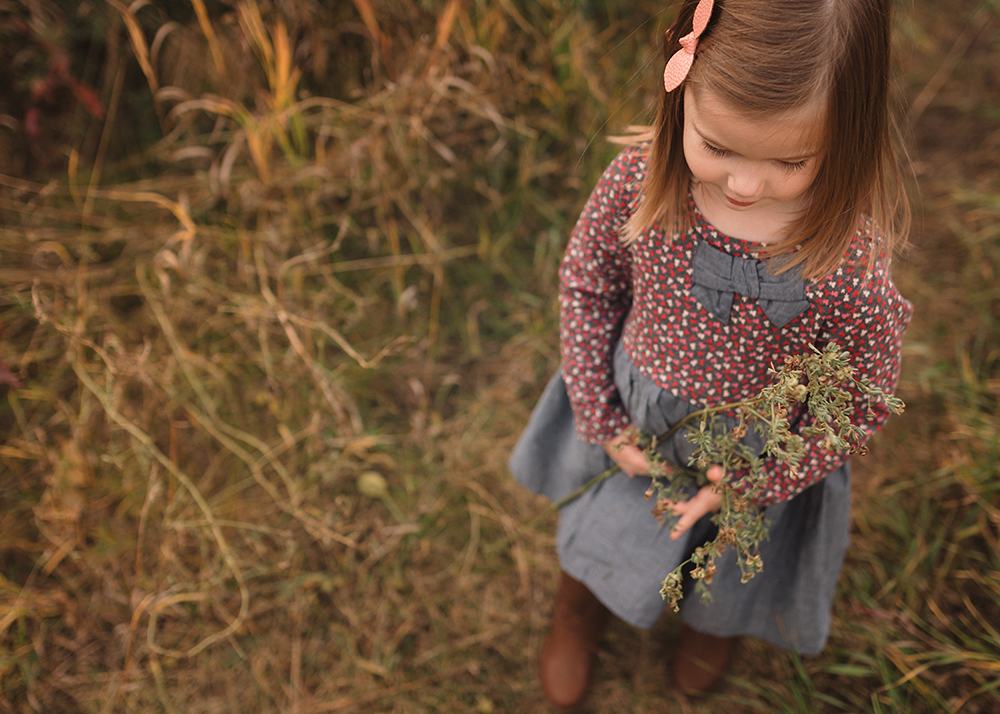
701, 660
569, 655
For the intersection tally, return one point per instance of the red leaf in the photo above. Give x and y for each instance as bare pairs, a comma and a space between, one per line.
31, 125
9, 378
87, 97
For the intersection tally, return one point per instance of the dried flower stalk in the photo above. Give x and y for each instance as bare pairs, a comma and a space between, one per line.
819, 380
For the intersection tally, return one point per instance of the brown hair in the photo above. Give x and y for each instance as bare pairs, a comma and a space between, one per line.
766, 57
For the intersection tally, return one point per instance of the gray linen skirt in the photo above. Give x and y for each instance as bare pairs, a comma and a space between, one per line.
609, 539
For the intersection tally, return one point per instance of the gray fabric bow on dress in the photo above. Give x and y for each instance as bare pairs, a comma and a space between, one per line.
718, 276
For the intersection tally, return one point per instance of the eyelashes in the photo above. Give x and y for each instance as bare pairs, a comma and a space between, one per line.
789, 166
714, 150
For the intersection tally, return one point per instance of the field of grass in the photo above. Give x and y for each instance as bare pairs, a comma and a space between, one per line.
270, 326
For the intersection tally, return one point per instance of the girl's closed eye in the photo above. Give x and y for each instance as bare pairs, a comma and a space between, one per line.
714, 150
791, 166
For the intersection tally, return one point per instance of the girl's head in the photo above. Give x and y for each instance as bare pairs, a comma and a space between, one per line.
816, 67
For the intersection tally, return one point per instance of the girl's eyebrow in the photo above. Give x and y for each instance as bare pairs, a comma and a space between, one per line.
721, 146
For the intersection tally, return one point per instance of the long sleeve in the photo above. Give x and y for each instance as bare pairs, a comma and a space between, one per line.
867, 319
595, 295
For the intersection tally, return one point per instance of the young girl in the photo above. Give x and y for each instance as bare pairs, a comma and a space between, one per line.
755, 220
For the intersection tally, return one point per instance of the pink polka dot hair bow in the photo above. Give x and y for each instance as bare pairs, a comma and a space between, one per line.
679, 65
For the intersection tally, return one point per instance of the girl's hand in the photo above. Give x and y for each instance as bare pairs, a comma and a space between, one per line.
627, 455
707, 500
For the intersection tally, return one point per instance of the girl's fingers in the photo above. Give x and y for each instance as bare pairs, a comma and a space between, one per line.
633, 459
682, 526
689, 517
715, 474
704, 502
689, 512
628, 456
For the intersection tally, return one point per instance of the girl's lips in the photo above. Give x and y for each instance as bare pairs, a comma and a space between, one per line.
740, 203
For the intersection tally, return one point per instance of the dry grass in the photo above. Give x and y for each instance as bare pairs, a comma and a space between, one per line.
344, 264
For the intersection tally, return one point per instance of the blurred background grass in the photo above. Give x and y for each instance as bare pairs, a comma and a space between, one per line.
276, 296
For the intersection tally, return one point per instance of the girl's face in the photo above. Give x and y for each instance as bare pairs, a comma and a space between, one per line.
750, 173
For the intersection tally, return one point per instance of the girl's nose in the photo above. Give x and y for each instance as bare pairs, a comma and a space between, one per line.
746, 180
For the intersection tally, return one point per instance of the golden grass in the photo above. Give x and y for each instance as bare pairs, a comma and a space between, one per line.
317, 289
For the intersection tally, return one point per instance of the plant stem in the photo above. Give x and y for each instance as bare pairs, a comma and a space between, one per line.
555, 506
604, 475
707, 411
